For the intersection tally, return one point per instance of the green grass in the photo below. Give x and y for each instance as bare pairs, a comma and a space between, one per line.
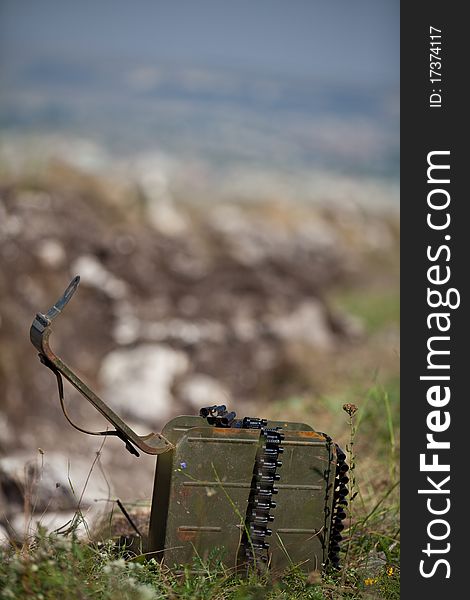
63, 568
376, 308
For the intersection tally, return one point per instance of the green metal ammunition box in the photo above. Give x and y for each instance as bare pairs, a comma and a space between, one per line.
259, 493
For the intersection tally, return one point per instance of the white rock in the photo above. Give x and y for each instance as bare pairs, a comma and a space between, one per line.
245, 327
127, 326
27, 525
307, 324
51, 253
4, 537
201, 390
189, 332
93, 273
153, 172
138, 381
166, 218
52, 480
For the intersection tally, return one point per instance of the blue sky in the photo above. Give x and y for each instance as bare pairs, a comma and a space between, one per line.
347, 40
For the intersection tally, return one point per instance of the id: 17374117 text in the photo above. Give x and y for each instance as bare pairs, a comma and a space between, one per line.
435, 67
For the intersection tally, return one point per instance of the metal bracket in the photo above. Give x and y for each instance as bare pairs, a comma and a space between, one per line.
152, 443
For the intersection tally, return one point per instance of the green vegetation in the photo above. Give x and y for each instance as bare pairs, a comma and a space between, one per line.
56, 567
63, 567
376, 309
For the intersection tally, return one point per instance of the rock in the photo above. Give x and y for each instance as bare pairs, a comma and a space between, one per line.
250, 240
127, 326
4, 537
183, 330
27, 525
93, 273
49, 481
201, 390
137, 381
152, 174
51, 252
166, 218
307, 324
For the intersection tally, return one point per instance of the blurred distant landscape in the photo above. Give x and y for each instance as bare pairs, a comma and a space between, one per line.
273, 308
231, 132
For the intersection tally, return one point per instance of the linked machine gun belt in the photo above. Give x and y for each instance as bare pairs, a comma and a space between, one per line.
265, 494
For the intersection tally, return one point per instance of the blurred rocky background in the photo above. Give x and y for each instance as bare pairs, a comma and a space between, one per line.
236, 232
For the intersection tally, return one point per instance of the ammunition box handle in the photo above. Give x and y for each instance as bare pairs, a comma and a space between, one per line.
152, 443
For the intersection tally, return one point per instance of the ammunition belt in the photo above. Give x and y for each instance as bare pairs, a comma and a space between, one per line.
254, 549
339, 505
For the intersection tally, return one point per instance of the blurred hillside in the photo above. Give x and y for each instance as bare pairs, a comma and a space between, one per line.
271, 307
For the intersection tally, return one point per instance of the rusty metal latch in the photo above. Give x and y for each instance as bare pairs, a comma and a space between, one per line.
152, 443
